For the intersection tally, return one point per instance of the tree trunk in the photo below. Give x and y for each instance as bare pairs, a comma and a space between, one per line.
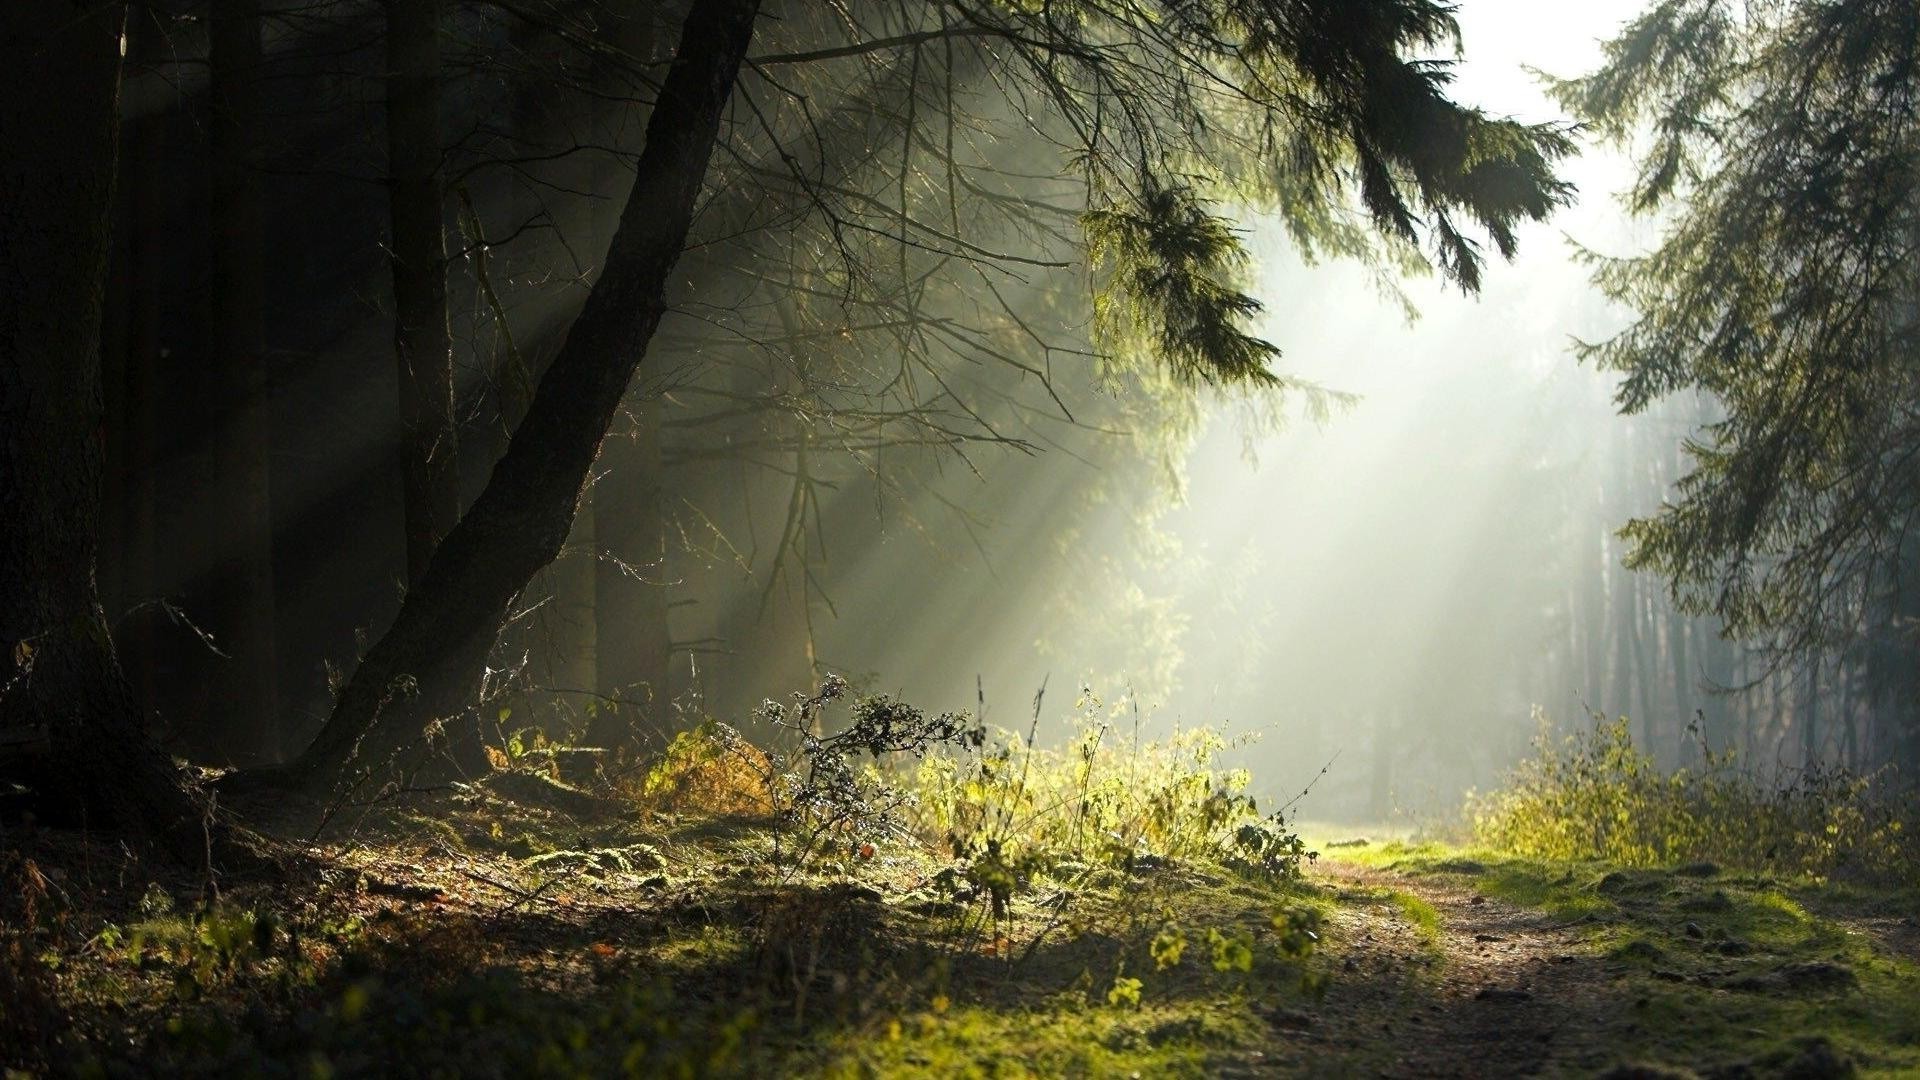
426, 668
241, 518
139, 496
422, 341
59, 85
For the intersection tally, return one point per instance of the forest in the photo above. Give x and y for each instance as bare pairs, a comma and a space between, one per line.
960, 538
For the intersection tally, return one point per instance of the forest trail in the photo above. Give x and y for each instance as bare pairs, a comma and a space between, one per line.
1443, 981
1446, 963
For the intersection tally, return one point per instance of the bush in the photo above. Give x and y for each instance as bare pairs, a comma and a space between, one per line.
1595, 795
1100, 801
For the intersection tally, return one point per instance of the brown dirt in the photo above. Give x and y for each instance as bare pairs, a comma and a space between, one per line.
1501, 991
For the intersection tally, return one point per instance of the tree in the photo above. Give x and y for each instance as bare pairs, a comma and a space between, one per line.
1316, 109
1782, 159
59, 678
423, 347
243, 616
439, 640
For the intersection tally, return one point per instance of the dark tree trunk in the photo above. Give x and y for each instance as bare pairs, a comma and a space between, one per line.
241, 517
140, 502
422, 341
59, 83
426, 668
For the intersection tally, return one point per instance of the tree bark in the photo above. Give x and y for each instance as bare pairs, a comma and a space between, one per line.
140, 499
59, 85
422, 340
241, 517
426, 668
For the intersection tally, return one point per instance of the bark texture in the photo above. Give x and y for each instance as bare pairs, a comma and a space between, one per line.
59, 678
426, 668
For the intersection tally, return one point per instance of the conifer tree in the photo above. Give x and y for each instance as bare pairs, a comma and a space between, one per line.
1778, 148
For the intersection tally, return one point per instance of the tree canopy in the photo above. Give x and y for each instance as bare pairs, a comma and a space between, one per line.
1778, 153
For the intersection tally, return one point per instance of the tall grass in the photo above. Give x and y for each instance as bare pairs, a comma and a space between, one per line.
1595, 795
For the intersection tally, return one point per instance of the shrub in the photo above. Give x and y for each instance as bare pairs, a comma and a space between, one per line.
1099, 801
1595, 795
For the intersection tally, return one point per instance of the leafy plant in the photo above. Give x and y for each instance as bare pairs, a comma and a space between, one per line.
1595, 795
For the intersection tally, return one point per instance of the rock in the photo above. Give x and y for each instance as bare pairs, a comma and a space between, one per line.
1488, 937
1813, 977
1817, 1060
1500, 994
1693, 930
1630, 881
1818, 975
1640, 949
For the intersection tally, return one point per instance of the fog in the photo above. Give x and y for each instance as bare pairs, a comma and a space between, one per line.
963, 515
1390, 589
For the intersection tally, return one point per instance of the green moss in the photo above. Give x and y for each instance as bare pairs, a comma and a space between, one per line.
1723, 969
1419, 914
1166, 1040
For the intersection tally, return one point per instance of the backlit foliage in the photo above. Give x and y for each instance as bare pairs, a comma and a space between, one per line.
1107, 800
1778, 150
1595, 795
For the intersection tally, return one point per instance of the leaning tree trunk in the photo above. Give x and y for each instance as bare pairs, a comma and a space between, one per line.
422, 341
425, 670
59, 85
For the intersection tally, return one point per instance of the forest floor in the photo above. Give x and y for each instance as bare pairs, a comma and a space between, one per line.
477, 937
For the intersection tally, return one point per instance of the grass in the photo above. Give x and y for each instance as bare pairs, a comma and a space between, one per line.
793, 911
1718, 966
985, 908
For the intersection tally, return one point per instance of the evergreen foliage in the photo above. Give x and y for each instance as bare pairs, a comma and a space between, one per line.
1778, 152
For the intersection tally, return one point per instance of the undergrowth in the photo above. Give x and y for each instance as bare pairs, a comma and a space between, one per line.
1596, 795
863, 888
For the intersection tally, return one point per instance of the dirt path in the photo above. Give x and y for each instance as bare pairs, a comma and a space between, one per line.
1439, 981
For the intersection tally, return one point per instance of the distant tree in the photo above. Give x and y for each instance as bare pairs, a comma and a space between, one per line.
242, 616
423, 346
1165, 110
60, 682
1779, 150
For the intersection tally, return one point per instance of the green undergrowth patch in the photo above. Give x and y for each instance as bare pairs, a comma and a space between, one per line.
903, 895
1069, 1038
1407, 908
1722, 969
1595, 794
